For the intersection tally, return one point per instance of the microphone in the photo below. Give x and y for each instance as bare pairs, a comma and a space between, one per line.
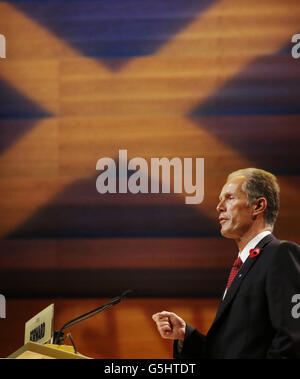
58, 335
117, 299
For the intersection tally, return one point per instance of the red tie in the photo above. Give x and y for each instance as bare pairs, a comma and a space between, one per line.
235, 269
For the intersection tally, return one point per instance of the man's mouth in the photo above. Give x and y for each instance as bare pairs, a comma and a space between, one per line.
222, 220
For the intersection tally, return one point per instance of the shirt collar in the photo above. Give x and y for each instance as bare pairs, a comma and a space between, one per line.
251, 245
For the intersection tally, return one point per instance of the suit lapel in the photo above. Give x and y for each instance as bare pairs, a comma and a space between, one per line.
240, 276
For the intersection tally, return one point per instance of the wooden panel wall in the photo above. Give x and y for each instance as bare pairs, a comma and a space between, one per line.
83, 79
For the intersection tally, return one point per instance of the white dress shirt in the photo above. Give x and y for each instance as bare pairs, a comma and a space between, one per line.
244, 254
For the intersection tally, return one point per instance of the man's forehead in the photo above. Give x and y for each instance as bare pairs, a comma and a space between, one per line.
232, 185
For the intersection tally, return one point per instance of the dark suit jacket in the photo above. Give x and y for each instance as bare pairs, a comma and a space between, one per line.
255, 319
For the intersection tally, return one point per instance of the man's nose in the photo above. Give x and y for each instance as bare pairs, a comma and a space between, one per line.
220, 206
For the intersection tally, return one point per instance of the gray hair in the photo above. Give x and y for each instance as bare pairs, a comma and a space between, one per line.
260, 183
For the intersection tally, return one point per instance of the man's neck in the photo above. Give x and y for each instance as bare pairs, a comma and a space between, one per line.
248, 236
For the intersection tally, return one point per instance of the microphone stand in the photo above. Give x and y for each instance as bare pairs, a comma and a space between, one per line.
58, 335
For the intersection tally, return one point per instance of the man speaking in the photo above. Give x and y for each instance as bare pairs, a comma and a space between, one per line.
254, 318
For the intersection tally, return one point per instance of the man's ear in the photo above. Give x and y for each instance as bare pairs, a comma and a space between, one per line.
259, 206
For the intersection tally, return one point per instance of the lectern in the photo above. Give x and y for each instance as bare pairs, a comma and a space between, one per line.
40, 329
33, 350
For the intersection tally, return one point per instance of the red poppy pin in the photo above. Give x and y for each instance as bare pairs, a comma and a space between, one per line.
255, 252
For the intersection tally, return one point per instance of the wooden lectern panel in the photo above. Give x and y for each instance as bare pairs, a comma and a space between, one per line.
32, 350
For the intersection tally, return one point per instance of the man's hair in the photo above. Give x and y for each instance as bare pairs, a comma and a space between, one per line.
260, 183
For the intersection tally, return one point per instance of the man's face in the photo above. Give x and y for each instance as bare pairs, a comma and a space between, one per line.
235, 215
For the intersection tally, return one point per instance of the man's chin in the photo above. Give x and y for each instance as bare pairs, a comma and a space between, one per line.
226, 233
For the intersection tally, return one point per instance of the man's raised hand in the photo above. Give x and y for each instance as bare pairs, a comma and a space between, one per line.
169, 325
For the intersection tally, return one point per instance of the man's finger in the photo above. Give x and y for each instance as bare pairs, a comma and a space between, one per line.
161, 316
